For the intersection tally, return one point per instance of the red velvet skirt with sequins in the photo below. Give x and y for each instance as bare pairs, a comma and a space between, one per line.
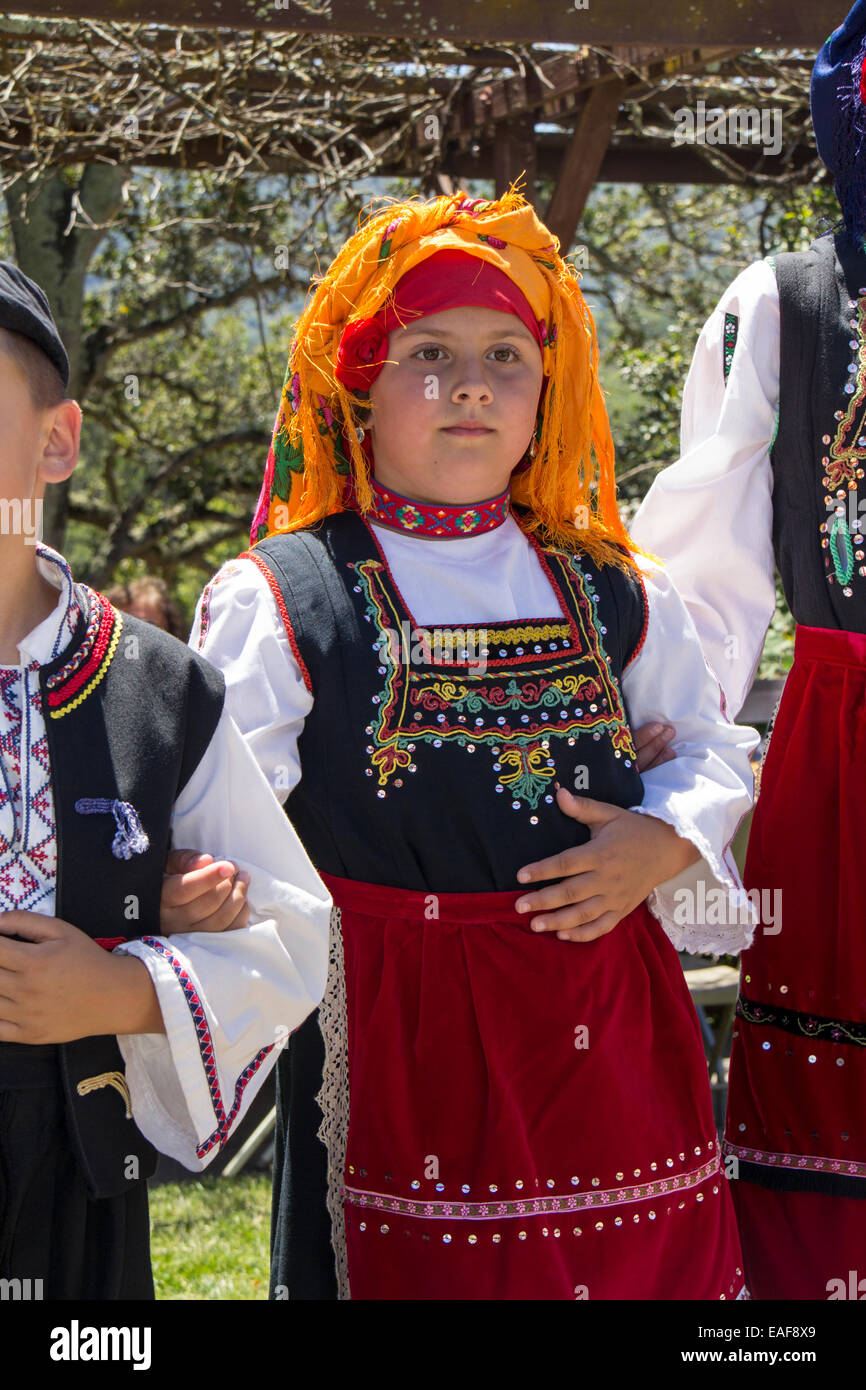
510, 1116
797, 1101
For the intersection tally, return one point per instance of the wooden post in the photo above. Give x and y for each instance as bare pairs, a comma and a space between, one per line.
583, 159
438, 185
514, 154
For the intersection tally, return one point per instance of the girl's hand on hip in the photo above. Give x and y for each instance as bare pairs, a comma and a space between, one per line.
604, 880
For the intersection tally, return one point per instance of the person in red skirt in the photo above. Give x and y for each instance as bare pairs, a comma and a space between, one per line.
441, 634
772, 468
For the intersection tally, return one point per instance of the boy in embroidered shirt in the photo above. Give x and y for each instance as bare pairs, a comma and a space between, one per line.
113, 737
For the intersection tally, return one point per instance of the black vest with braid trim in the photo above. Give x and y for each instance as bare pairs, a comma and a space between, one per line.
129, 712
818, 455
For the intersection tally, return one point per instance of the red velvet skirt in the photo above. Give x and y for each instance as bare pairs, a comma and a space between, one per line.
527, 1118
797, 1101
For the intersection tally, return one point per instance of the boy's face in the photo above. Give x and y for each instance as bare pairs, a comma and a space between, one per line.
454, 408
37, 447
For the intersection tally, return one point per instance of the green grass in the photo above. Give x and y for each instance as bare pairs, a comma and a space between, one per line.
210, 1239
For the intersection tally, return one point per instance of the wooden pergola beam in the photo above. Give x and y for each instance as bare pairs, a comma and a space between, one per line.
630, 161
757, 23
556, 88
583, 158
640, 161
492, 126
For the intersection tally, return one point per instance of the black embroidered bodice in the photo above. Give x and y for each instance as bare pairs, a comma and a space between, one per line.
431, 756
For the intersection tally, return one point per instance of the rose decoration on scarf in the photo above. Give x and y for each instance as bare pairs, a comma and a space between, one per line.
361, 355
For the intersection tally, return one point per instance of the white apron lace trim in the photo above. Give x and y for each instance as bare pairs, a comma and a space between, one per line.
333, 1098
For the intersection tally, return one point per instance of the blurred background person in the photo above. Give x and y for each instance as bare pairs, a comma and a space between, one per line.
148, 598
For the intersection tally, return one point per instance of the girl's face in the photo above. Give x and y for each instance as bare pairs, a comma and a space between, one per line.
455, 406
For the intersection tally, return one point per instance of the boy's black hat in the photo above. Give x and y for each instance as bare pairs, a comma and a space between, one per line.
24, 309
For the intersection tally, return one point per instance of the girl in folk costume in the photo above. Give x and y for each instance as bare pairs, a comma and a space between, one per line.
424, 649
772, 466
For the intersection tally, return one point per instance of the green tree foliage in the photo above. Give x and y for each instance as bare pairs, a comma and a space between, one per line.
192, 294
658, 259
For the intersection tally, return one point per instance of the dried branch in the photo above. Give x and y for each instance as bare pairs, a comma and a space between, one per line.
338, 108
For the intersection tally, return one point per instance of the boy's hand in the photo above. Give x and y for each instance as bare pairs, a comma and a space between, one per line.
200, 893
58, 985
605, 879
651, 745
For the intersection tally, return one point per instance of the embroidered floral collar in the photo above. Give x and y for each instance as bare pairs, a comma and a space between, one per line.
437, 519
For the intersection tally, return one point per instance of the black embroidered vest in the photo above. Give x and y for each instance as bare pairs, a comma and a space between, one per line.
818, 455
129, 712
431, 756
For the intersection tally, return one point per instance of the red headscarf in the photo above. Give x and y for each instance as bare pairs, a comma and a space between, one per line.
447, 280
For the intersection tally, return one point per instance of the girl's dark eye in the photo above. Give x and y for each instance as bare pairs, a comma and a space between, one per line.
511, 354
422, 353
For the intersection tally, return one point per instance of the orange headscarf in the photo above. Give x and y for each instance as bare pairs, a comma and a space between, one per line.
567, 493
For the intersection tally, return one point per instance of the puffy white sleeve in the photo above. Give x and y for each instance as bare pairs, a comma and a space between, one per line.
709, 516
229, 999
238, 628
706, 790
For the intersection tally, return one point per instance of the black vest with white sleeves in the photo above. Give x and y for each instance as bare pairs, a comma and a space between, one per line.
129, 712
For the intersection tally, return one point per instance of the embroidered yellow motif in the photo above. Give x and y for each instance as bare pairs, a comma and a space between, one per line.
107, 1078
389, 759
533, 767
449, 691
581, 687
843, 470
536, 633
843, 465
518, 704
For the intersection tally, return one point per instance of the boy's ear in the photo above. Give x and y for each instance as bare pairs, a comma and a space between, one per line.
60, 451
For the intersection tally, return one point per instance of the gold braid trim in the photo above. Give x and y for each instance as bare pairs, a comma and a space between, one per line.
524, 634
107, 1078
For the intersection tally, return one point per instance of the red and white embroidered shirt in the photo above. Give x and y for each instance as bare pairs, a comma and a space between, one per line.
28, 842
229, 1000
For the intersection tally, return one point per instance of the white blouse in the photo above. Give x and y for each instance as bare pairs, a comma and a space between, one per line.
709, 516
233, 997
496, 576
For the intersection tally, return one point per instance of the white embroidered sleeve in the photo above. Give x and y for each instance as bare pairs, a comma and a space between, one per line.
230, 999
238, 628
706, 790
709, 516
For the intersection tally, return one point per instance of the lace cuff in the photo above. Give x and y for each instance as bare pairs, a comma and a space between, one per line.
705, 910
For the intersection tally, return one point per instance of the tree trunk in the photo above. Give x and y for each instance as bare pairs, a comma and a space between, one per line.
59, 262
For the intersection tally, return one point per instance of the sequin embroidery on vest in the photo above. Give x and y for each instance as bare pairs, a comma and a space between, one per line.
842, 536
507, 689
